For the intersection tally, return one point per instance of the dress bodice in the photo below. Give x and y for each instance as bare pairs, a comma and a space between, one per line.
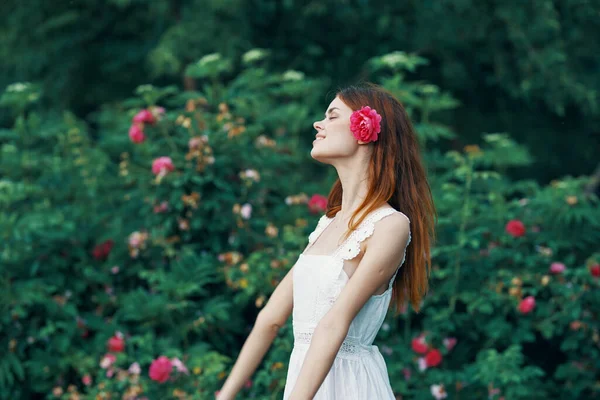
319, 279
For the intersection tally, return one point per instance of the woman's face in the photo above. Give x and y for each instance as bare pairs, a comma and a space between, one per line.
333, 136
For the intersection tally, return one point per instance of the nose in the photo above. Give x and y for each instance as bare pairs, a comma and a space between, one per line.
317, 125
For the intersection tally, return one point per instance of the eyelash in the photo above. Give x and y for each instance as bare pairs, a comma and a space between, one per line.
330, 118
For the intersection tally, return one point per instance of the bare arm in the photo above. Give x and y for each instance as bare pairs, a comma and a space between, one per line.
269, 320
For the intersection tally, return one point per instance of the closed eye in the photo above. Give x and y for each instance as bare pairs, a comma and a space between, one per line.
330, 118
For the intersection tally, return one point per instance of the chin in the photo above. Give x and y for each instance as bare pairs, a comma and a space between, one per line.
319, 157
314, 153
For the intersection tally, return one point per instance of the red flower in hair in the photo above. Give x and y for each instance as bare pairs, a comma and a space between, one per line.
364, 124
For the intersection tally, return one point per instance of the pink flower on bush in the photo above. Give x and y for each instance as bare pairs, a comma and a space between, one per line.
162, 165
449, 343
595, 270
137, 239
179, 366
116, 343
160, 369
527, 305
102, 250
136, 133
161, 208
557, 267
86, 380
135, 369
515, 228
433, 358
108, 360
144, 116
365, 124
317, 203
419, 345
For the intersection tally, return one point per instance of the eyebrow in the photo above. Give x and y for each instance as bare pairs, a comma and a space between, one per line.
330, 110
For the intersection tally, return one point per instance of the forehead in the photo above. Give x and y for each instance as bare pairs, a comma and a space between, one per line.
337, 102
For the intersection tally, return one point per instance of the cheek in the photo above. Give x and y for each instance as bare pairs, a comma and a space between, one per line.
339, 127
343, 141
343, 133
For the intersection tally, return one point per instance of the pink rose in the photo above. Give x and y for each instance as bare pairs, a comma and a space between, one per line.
87, 380
317, 203
433, 358
136, 134
557, 267
116, 344
419, 345
364, 124
527, 305
162, 165
144, 116
515, 228
160, 369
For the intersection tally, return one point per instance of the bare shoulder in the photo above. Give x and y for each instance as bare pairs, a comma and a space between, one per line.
390, 237
392, 229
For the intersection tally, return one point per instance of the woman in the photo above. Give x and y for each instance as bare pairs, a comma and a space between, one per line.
343, 283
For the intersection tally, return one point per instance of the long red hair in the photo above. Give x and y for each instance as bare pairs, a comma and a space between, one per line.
397, 176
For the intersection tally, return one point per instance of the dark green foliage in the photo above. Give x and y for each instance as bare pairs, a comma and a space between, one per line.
187, 281
526, 68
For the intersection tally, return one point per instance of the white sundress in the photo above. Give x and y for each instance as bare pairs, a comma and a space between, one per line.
359, 371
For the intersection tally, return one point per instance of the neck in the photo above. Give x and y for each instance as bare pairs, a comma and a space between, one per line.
353, 177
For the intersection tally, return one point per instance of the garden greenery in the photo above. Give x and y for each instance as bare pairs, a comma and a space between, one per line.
137, 253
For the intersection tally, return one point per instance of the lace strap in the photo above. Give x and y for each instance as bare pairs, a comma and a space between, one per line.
351, 246
321, 225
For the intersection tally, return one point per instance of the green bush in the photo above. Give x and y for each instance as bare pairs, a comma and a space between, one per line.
109, 249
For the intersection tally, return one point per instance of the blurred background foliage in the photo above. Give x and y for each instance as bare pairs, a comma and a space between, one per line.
102, 253
526, 68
